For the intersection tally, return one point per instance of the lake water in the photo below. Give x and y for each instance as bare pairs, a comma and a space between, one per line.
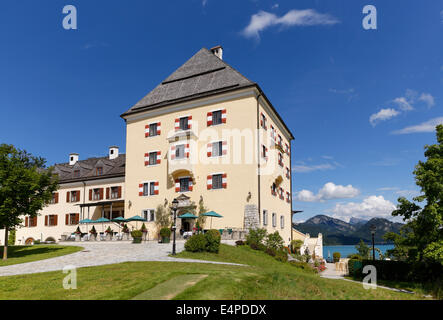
347, 250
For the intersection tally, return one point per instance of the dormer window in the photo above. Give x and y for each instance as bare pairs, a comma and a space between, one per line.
76, 173
98, 171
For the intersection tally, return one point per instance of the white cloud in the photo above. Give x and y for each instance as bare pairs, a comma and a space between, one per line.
382, 115
329, 191
428, 99
403, 104
309, 168
275, 6
370, 207
308, 17
387, 189
428, 126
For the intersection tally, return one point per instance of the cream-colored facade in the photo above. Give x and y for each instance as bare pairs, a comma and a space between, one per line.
244, 137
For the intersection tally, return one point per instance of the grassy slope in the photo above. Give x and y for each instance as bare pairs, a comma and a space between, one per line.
22, 254
264, 278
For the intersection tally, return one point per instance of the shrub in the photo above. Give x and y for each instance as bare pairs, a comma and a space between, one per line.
165, 232
274, 241
240, 243
354, 267
136, 234
78, 231
109, 230
281, 255
336, 256
213, 239
303, 266
355, 256
143, 228
125, 229
93, 231
271, 251
296, 245
256, 236
196, 243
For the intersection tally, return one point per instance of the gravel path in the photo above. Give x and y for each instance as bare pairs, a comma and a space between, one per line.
101, 253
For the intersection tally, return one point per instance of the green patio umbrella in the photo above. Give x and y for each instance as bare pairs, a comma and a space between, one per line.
212, 214
119, 220
188, 215
102, 221
86, 221
136, 219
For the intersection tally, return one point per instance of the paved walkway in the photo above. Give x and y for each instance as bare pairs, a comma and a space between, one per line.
101, 253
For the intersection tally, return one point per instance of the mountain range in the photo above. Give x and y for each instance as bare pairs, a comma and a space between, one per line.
339, 232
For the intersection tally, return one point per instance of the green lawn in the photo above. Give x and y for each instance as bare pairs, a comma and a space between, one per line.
263, 278
22, 254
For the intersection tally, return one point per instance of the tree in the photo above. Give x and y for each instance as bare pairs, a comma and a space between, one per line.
162, 217
26, 186
362, 249
424, 228
201, 209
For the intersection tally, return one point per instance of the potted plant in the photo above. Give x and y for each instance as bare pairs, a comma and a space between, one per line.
165, 233
125, 231
144, 231
109, 233
137, 236
93, 234
78, 234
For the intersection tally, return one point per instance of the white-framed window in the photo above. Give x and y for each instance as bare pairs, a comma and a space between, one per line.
184, 184
180, 151
216, 117
274, 220
184, 123
96, 194
149, 215
282, 222
265, 217
217, 149
149, 188
153, 129
217, 181
114, 192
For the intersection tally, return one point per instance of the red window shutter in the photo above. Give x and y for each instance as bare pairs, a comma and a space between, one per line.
172, 152
187, 153
120, 192
26, 221
223, 116
209, 150
177, 185
56, 197
159, 124
101, 193
209, 182
140, 189
78, 195
67, 219
77, 218
159, 157
177, 124
156, 187
209, 119
224, 147
261, 119
55, 220
35, 221
107, 193
67, 196
46, 220
147, 130
90, 194
189, 122
224, 182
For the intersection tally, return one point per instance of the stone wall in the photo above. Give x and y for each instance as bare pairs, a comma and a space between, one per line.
251, 217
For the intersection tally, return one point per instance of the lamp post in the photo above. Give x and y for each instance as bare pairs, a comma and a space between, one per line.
174, 211
373, 228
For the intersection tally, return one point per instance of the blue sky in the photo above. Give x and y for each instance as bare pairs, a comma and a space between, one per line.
359, 102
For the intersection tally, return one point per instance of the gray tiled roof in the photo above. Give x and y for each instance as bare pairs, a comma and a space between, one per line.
201, 74
111, 168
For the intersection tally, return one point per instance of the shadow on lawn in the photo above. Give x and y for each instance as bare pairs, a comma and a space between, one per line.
23, 251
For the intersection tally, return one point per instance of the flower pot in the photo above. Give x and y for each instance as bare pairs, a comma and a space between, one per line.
92, 237
165, 239
78, 237
137, 240
108, 236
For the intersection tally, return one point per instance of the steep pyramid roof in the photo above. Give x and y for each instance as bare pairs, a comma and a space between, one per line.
203, 74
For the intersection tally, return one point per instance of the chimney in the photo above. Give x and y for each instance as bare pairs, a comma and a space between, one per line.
113, 152
218, 51
73, 158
